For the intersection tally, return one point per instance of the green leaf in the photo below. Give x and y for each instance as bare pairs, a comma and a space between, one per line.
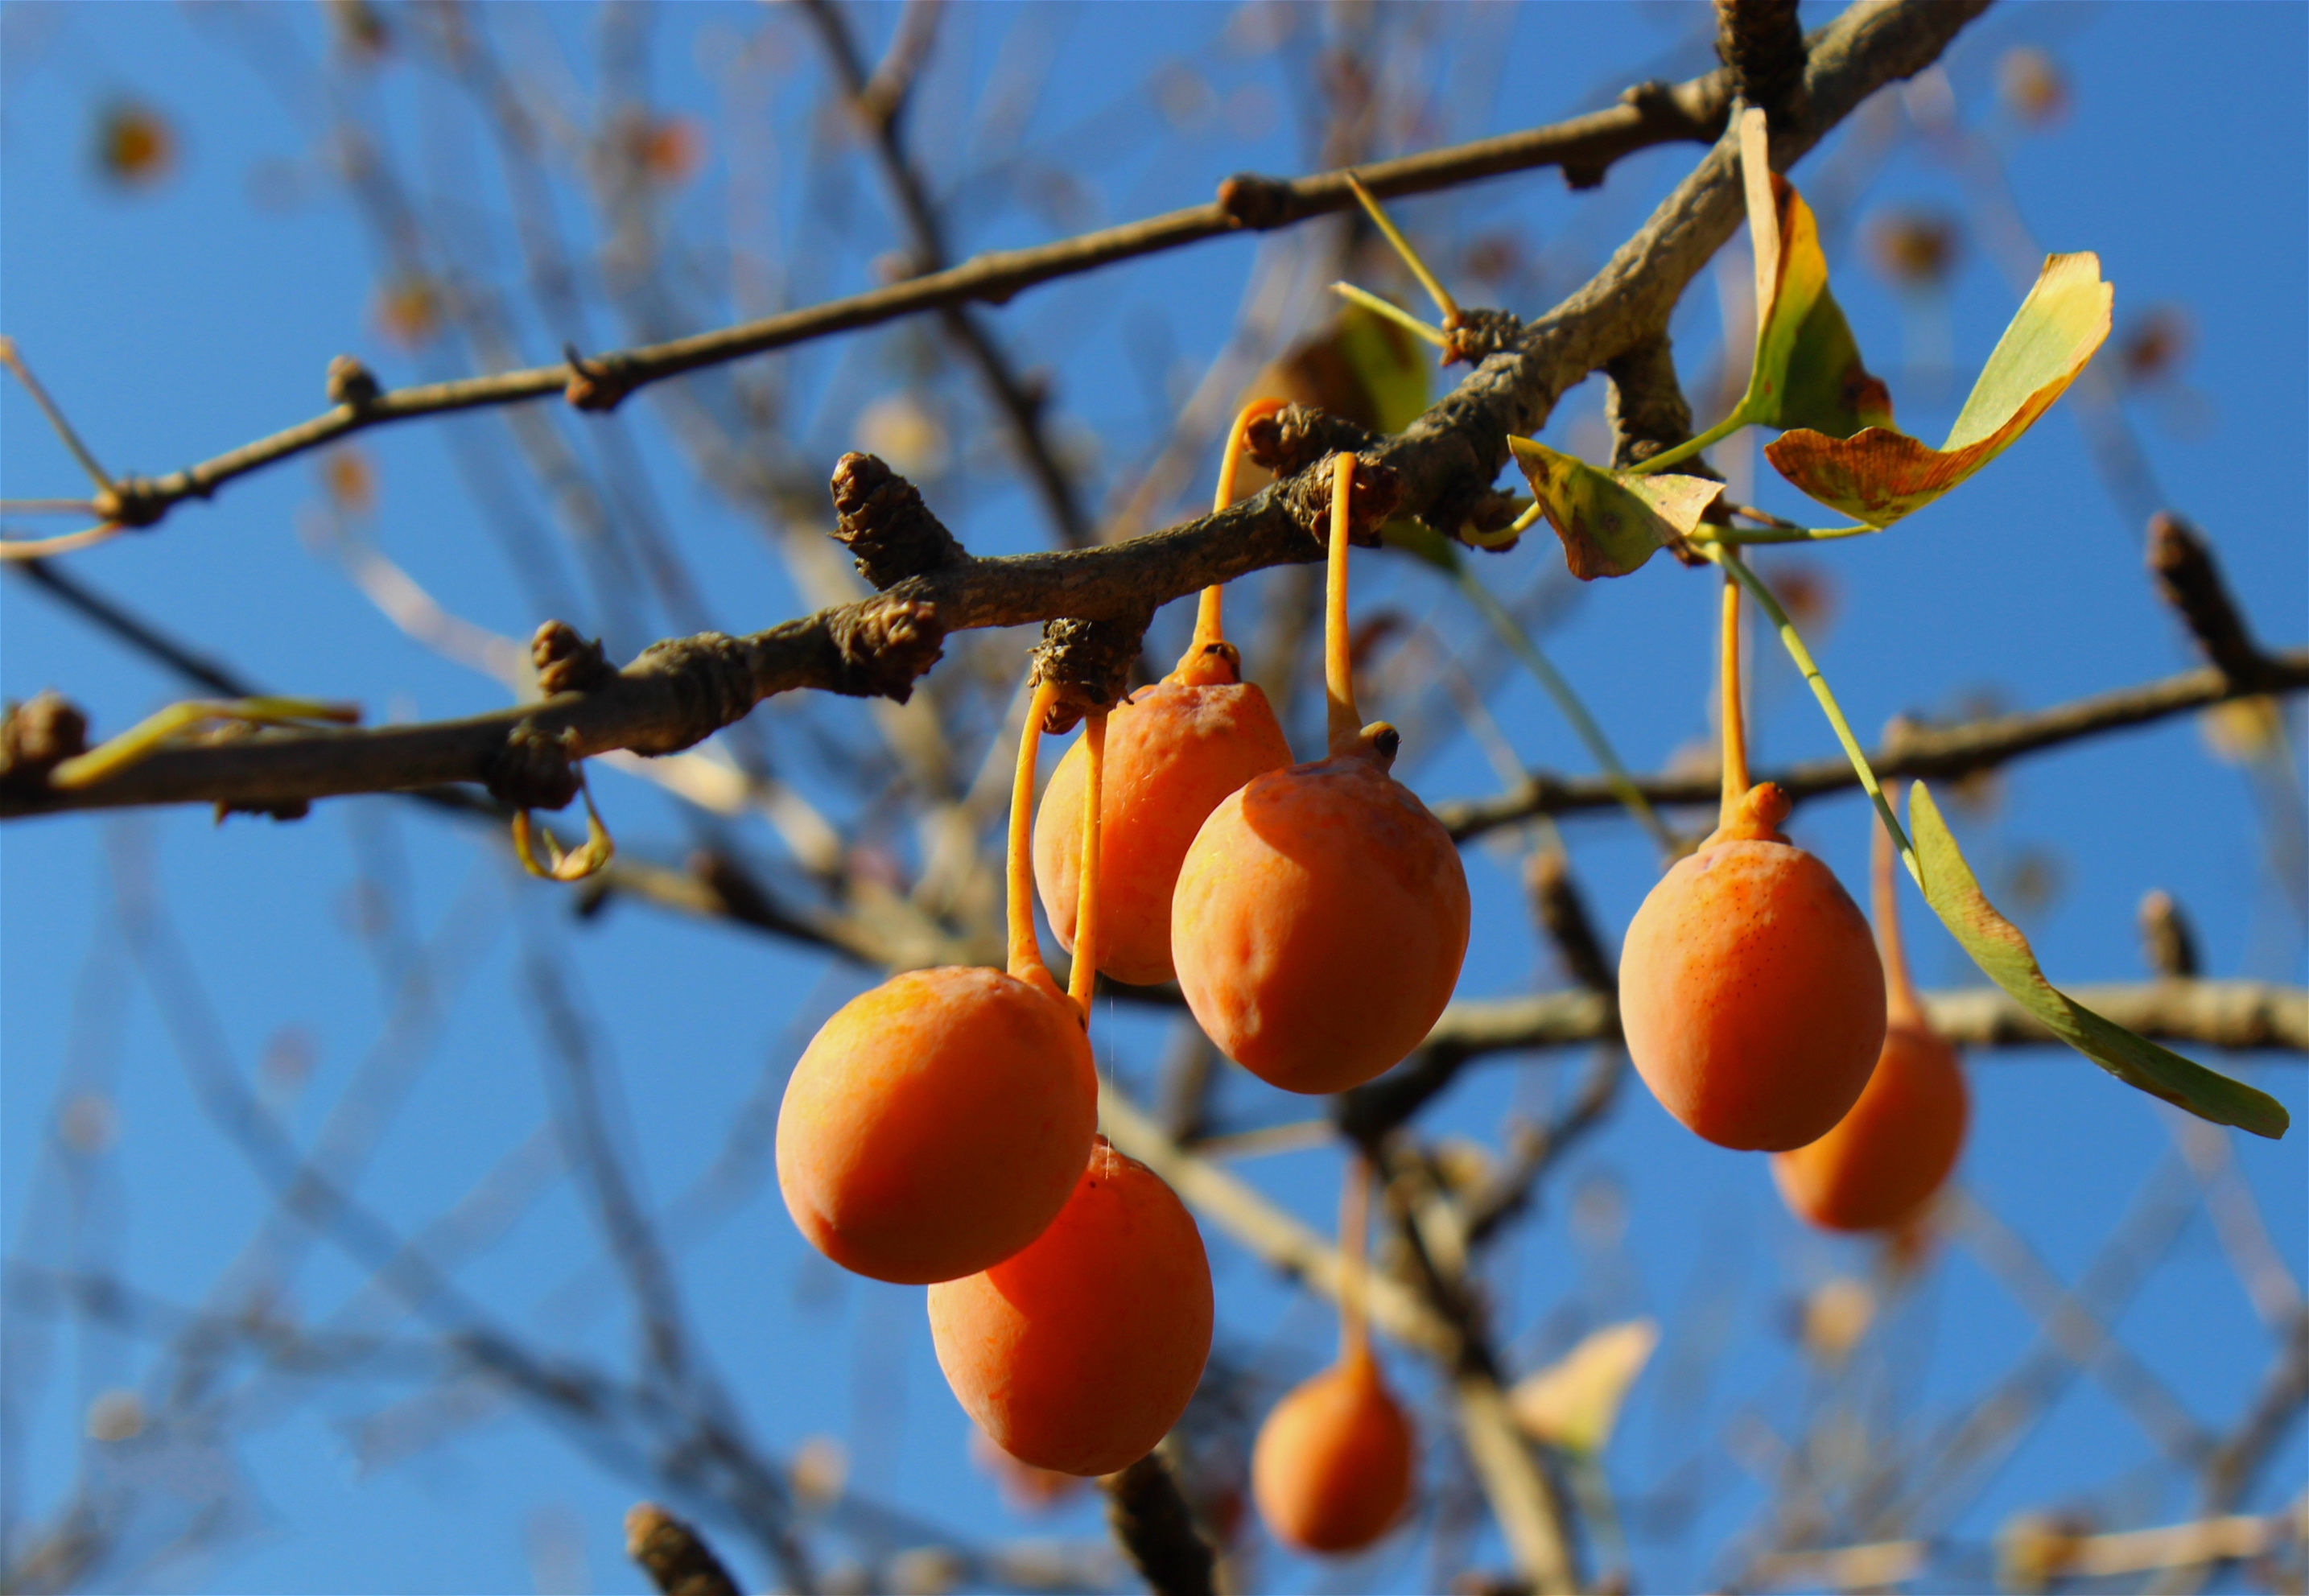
1808, 372
1610, 523
1879, 475
2003, 953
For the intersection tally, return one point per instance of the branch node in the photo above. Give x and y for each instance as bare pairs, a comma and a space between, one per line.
1293, 438
673, 1555
569, 663
1090, 660
1378, 490
352, 383
2166, 938
2191, 582
1480, 334
880, 517
131, 501
600, 383
534, 769
883, 645
1257, 202
38, 735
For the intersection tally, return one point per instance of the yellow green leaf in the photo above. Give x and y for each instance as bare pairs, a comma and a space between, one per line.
2003, 953
1393, 367
1808, 372
1610, 523
1574, 1402
1879, 475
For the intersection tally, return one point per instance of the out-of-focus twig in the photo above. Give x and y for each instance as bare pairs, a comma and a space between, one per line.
674, 1555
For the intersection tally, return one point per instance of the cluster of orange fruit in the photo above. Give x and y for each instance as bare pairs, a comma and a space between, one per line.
941, 1130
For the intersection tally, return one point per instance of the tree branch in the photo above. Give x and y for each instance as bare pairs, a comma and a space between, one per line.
1584, 147
2242, 1015
1943, 752
680, 691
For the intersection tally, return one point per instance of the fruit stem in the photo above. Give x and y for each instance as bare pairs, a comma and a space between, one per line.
1084, 978
1734, 719
1343, 722
1026, 952
1901, 1000
1729, 558
1207, 629
1354, 1228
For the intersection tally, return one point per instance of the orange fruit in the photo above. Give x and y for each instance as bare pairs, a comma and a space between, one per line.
1080, 1352
1331, 1469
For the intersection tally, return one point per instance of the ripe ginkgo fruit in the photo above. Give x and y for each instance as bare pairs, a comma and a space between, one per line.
1321, 915
1886, 1158
1331, 1469
1750, 994
1079, 1352
938, 1122
1173, 751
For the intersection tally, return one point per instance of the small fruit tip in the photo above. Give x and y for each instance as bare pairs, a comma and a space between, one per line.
1757, 817
1381, 742
1217, 663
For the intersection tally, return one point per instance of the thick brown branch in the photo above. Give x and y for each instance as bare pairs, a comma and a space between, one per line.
1941, 752
1443, 465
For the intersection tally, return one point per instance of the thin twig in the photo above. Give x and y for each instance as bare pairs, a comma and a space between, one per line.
1940, 753
1585, 147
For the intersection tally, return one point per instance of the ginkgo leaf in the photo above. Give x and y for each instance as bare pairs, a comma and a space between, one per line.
1574, 1402
1610, 523
2003, 953
1808, 372
1879, 475
1362, 367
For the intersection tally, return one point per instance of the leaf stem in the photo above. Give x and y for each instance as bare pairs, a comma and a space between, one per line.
1731, 712
1737, 535
1692, 446
146, 738
1551, 680
1436, 292
1391, 311
1729, 558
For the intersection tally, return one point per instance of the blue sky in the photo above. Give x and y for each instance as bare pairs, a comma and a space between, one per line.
177, 323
